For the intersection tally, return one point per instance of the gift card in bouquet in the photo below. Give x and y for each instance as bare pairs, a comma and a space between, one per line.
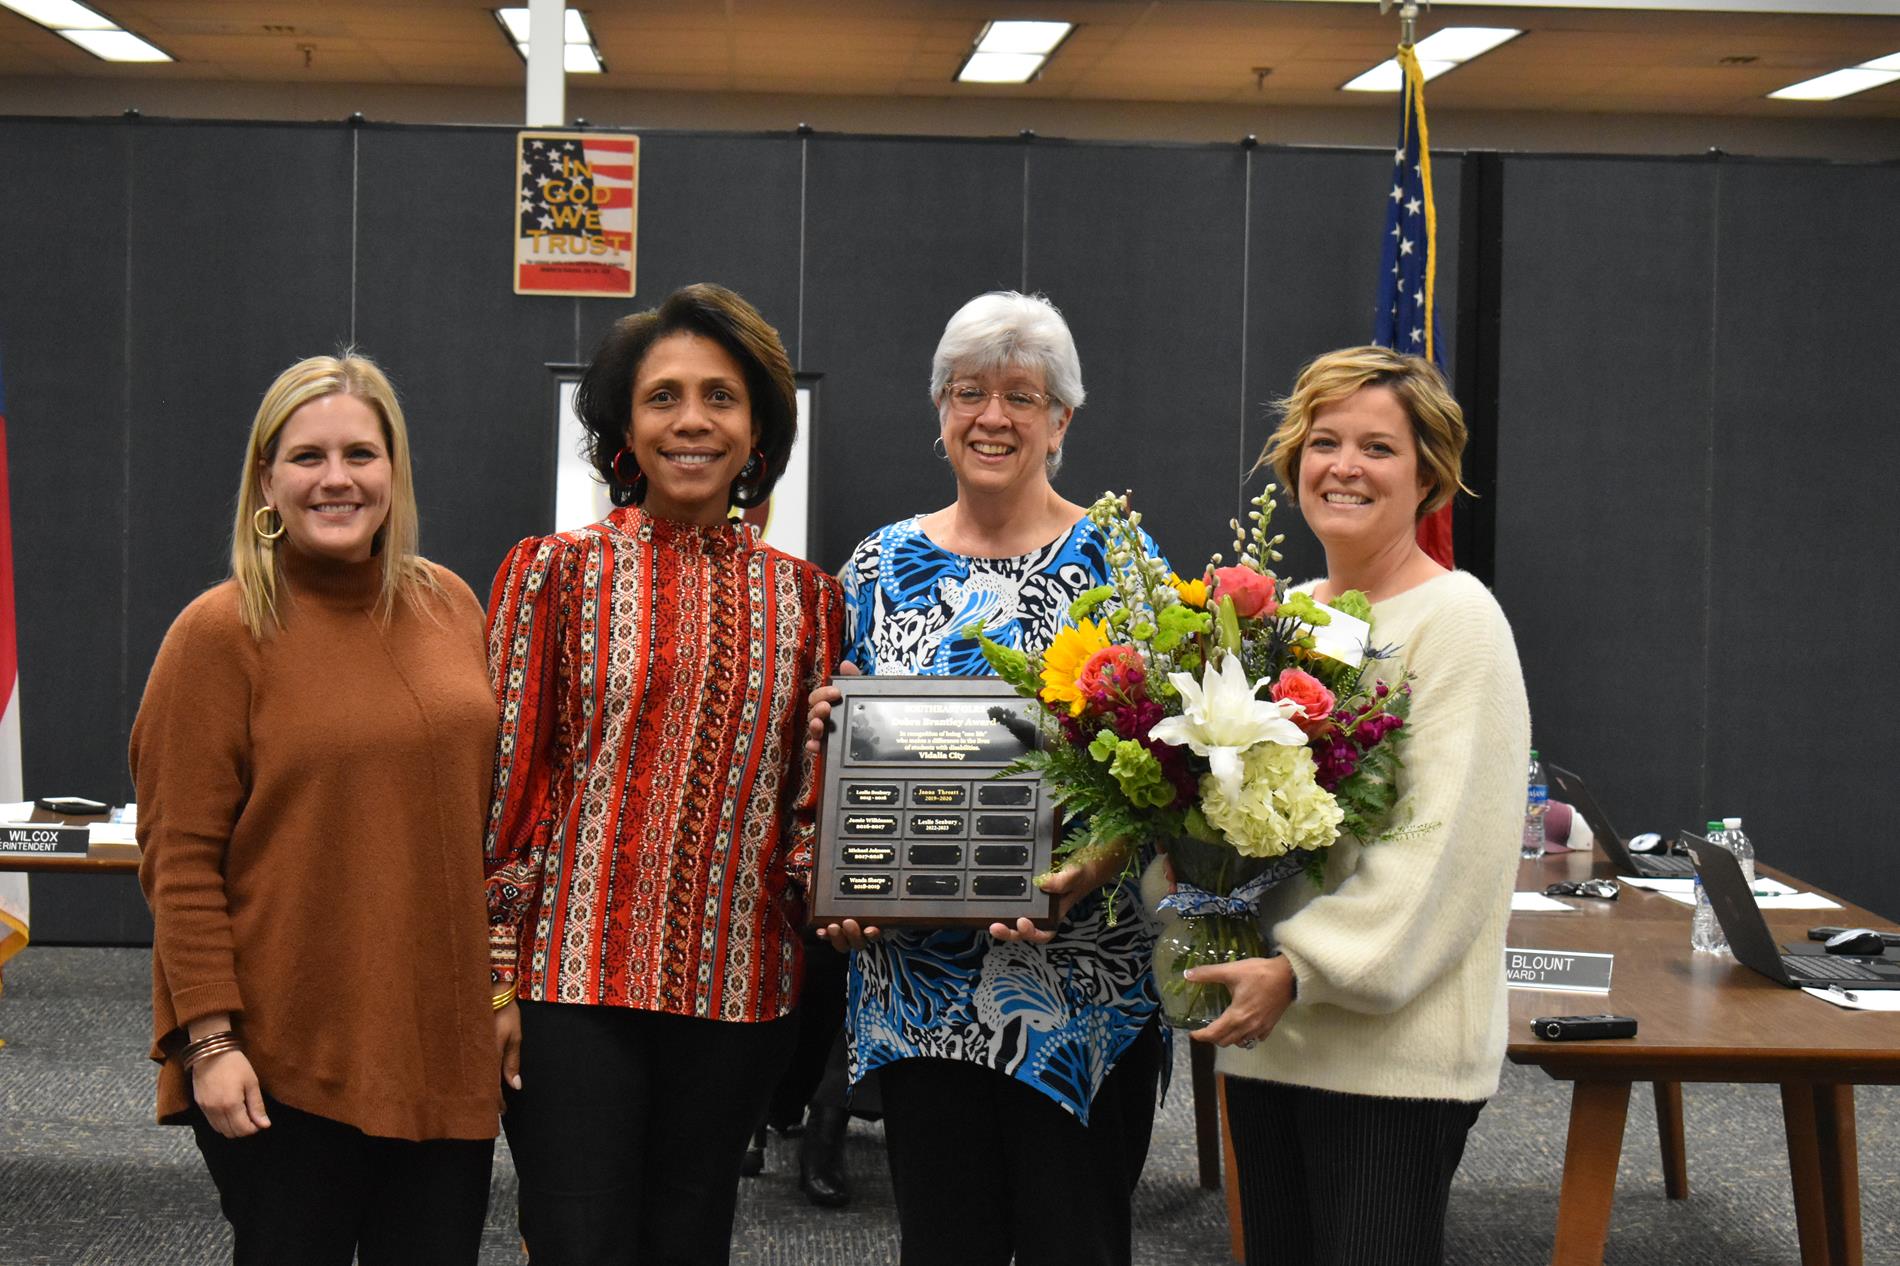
918, 826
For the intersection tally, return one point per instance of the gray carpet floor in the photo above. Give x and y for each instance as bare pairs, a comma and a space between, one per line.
86, 1178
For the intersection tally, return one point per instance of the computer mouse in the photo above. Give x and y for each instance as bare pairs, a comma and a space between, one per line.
1860, 941
1647, 842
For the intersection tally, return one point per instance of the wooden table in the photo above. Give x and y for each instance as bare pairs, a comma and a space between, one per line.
1702, 1018
101, 859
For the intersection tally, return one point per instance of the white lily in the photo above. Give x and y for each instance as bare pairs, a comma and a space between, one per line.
1222, 718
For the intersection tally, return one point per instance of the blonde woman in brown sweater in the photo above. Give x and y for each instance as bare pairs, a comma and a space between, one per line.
312, 760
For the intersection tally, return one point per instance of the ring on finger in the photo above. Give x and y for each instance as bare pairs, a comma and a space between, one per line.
1245, 1043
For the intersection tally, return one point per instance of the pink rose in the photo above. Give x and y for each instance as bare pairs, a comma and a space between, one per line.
1253, 593
1315, 700
1111, 674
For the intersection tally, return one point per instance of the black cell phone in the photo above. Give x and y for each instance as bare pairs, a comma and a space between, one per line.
1821, 934
76, 806
1583, 1028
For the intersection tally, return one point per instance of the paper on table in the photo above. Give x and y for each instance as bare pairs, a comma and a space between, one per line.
1772, 901
1861, 999
1538, 901
15, 810
111, 833
1764, 886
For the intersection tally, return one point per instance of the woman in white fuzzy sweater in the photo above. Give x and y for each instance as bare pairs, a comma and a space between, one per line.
1360, 1054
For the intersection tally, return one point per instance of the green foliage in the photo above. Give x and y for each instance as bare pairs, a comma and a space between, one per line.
1084, 605
1355, 604
1135, 770
1176, 624
1012, 665
1369, 794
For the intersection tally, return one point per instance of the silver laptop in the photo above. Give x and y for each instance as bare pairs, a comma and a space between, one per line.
1755, 947
1571, 790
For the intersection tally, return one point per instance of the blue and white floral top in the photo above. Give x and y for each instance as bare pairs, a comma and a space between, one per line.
1056, 1016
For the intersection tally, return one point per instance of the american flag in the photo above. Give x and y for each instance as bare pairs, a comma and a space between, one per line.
1407, 320
575, 214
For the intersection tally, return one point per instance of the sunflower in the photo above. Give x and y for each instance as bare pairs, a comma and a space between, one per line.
1064, 660
1193, 592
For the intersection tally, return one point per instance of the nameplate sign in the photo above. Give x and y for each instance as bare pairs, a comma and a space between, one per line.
1561, 971
35, 840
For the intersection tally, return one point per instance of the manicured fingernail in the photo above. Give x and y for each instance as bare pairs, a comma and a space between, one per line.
515, 1081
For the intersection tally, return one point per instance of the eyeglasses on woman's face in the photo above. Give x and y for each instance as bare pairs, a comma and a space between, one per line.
967, 400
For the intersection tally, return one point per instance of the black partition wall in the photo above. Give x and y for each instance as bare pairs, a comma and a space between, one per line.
1664, 337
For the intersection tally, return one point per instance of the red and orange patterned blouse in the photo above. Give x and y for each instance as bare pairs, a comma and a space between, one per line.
653, 797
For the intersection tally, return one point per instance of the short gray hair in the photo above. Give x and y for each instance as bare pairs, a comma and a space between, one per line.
1006, 329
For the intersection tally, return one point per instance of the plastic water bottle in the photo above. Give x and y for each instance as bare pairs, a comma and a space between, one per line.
1538, 799
1705, 931
1735, 842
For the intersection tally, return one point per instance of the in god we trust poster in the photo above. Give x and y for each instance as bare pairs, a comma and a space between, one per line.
576, 207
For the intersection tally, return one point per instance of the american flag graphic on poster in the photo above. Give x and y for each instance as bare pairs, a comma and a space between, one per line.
576, 207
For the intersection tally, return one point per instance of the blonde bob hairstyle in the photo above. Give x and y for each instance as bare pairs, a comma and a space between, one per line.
255, 564
1438, 424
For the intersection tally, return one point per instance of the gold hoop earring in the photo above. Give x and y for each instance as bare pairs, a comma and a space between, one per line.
257, 525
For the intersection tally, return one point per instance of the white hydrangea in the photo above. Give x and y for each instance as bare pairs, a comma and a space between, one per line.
1276, 806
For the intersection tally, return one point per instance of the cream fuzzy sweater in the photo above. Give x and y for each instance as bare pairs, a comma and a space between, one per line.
1400, 958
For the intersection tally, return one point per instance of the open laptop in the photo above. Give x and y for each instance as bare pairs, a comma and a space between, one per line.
1571, 790
1754, 947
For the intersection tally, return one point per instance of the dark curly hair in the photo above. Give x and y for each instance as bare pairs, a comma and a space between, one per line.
604, 402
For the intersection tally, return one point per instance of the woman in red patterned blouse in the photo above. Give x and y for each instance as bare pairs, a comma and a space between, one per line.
653, 805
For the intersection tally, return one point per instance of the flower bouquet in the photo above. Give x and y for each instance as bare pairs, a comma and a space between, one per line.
1155, 731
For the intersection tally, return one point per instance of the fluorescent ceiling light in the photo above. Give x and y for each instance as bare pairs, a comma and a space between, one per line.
123, 46
578, 54
1387, 77
1000, 68
1436, 53
61, 15
573, 25
1890, 62
515, 22
1836, 84
1462, 43
1039, 38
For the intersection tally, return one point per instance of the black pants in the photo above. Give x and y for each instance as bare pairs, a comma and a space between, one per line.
1344, 1180
310, 1191
629, 1127
984, 1167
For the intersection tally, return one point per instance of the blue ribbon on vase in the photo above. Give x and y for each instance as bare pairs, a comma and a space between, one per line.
1243, 902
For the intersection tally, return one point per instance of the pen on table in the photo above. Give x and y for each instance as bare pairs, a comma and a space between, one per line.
1848, 994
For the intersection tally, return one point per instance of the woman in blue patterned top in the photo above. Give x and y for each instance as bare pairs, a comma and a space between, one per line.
1018, 1069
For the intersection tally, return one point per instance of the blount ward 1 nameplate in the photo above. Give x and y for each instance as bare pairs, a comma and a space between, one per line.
915, 828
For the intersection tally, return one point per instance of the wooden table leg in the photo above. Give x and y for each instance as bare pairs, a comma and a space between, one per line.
1207, 1114
1236, 1229
1837, 1154
1675, 1158
1598, 1110
1798, 1104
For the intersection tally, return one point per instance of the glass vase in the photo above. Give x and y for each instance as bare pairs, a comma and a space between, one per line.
1197, 941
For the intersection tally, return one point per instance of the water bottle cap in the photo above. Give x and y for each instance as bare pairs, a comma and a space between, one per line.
1533, 753
1713, 826
1731, 824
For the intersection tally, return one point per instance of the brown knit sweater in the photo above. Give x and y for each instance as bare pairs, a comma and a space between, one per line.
311, 809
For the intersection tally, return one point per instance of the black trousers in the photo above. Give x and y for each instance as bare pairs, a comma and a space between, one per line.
310, 1191
984, 1167
1344, 1180
628, 1131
